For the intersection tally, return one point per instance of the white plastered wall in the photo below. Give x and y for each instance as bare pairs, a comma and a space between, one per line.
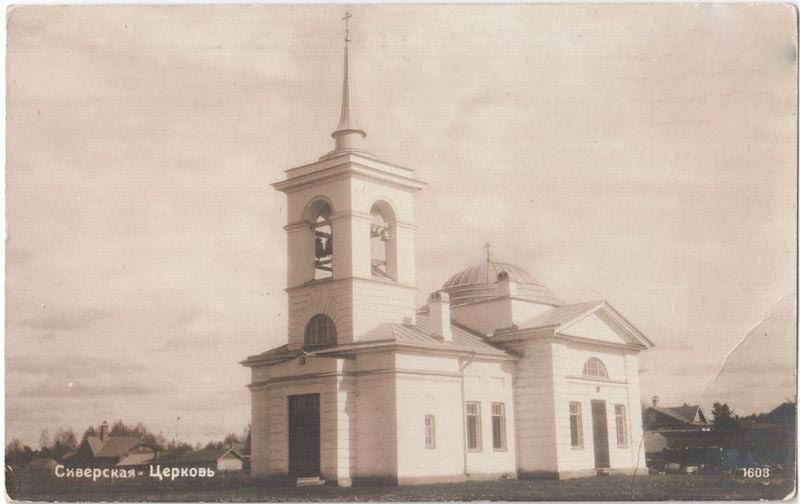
621, 388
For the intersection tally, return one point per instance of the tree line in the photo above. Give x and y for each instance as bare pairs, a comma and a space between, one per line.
65, 440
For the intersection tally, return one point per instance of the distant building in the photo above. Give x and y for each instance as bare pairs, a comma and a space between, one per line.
686, 417
219, 459
104, 450
772, 438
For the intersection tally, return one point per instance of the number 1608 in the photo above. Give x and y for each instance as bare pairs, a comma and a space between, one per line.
755, 472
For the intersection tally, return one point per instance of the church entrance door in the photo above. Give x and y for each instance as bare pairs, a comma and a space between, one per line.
600, 429
304, 435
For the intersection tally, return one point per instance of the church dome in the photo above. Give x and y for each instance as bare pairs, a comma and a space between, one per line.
479, 282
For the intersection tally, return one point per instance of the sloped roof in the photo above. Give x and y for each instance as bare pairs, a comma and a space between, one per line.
418, 335
463, 339
684, 414
94, 444
70, 454
786, 410
136, 459
208, 455
561, 317
113, 446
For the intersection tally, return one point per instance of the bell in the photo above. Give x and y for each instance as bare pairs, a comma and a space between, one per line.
319, 248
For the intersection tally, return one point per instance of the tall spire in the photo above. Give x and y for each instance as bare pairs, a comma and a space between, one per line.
348, 136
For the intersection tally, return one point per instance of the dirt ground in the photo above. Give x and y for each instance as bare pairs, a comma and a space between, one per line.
622, 488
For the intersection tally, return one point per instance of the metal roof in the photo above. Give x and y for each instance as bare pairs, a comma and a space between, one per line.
416, 335
486, 272
479, 283
463, 339
560, 315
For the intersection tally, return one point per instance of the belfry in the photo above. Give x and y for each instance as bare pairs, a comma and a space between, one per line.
494, 377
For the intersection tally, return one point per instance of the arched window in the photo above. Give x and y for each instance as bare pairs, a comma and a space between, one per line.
594, 368
383, 251
323, 240
320, 332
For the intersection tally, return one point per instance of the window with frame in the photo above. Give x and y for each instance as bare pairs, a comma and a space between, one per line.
498, 426
474, 426
430, 432
622, 425
320, 332
594, 368
576, 425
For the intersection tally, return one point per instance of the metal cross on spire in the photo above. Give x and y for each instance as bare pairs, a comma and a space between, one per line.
347, 134
346, 20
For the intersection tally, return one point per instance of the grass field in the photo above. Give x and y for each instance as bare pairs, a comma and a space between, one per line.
661, 487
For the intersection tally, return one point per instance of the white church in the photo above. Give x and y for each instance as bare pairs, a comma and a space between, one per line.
495, 377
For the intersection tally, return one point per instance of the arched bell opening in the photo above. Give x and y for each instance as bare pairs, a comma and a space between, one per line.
383, 241
320, 217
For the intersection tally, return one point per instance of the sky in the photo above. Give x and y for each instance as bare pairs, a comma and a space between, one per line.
642, 154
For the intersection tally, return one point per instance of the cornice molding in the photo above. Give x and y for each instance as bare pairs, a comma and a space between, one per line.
349, 168
325, 281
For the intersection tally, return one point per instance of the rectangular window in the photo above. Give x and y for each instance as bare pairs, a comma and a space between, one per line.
576, 424
430, 432
498, 426
622, 425
474, 426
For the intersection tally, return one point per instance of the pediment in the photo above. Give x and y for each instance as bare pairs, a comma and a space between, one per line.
604, 324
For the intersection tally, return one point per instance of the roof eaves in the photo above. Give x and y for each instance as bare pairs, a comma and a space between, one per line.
671, 413
628, 325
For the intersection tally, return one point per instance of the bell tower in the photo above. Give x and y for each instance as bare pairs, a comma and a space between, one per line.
350, 236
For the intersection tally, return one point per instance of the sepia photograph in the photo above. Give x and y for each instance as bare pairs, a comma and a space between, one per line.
401, 252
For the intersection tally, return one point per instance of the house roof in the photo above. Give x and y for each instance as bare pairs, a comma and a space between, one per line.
786, 410
136, 459
685, 414
69, 454
207, 455
113, 446
94, 444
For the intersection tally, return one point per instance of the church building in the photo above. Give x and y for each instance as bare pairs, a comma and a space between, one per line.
494, 377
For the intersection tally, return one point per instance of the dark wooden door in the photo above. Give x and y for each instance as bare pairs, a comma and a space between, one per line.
304, 435
600, 429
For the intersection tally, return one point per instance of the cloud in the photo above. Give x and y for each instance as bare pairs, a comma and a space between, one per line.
66, 321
